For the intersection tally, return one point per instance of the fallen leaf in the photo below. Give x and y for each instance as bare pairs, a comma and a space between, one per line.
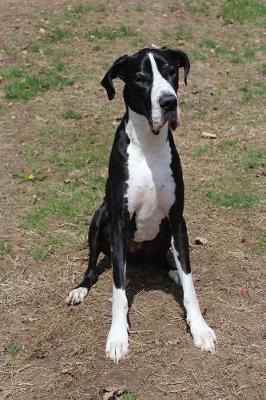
243, 291
209, 135
200, 241
113, 393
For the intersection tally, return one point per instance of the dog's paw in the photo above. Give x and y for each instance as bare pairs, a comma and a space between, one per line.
76, 296
203, 336
117, 343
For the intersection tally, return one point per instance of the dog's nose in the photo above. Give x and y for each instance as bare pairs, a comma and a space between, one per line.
168, 102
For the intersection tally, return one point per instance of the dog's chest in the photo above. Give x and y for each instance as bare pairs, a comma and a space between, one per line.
151, 189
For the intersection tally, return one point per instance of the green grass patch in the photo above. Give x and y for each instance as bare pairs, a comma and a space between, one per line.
59, 65
140, 8
228, 52
198, 6
13, 349
35, 219
11, 73
5, 248
202, 150
72, 114
260, 246
228, 143
197, 56
74, 14
57, 35
242, 10
263, 69
33, 85
123, 31
38, 254
232, 191
33, 176
183, 33
129, 396
253, 91
253, 157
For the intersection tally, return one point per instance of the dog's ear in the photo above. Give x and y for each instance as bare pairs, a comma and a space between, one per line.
117, 70
181, 59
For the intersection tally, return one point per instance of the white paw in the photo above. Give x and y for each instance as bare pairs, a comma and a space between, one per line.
174, 275
117, 343
203, 336
76, 296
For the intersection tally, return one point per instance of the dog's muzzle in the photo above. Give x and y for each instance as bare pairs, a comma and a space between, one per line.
168, 104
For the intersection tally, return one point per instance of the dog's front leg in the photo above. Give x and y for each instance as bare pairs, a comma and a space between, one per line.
117, 341
203, 335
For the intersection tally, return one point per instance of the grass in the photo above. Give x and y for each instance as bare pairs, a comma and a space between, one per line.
33, 176
5, 248
198, 6
183, 33
35, 219
253, 91
202, 150
263, 69
228, 143
129, 396
123, 31
11, 73
243, 54
245, 156
27, 86
242, 10
67, 202
74, 14
253, 157
72, 114
232, 191
13, 349
260, 246
57, 35
38, 254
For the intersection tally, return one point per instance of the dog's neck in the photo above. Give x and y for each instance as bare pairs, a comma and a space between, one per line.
140, 134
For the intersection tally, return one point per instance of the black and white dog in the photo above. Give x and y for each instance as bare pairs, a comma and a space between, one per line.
141, 216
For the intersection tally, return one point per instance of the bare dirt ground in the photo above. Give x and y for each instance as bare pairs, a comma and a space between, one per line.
53, 167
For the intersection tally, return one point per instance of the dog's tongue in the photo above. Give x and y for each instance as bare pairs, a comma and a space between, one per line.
173, 121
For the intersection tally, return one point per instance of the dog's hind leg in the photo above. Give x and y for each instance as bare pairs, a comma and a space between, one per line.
203, 336
99, 221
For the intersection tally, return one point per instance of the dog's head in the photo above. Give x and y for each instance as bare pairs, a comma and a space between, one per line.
151, 83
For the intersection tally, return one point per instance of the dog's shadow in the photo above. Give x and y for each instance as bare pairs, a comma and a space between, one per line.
145, 277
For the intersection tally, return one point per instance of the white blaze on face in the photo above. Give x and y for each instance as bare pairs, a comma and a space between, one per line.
160, 86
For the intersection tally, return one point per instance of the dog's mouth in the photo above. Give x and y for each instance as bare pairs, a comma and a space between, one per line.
171, 118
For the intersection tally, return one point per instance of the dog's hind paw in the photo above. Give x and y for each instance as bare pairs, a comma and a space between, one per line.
117, 343
76, 296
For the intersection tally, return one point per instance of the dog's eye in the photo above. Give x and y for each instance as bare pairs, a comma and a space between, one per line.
140, 78
169, 69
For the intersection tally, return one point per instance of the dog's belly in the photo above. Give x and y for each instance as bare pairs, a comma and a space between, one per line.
151, 189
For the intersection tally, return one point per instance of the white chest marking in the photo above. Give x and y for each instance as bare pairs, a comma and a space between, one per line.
151, 187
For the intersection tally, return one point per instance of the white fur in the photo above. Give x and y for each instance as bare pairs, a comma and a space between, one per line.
117, 341
151, 187
174, 275
160, 86
77, 295
203, 336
